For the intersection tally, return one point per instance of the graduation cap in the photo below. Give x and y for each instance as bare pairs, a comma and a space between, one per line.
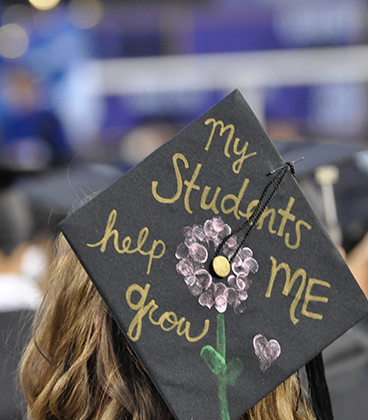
319, 175
215, 267
315, 154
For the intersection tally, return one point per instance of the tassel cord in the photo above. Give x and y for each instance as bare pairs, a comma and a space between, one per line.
263, 202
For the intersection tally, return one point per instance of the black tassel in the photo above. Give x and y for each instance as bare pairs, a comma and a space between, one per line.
318, 389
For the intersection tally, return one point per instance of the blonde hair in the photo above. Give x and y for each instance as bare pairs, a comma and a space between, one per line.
78, 364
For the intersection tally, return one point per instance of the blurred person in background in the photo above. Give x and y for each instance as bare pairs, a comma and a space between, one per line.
357, 261
144, 139
30, 134
334, 178
346, 360
19, 295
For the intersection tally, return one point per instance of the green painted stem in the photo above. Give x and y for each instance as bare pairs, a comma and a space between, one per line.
221, 348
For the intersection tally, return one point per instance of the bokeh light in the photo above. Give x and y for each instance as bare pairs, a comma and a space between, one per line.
17, 13
44, 4
85, 13
14, 40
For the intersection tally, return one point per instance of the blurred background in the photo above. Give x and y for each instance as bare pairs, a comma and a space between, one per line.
91, 81
88, 88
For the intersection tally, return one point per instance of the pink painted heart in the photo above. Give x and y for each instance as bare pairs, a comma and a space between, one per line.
266, 351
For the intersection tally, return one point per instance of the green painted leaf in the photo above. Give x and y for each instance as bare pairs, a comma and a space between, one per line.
213, 359
232, 370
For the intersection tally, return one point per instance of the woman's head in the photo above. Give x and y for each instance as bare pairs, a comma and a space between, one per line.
78, 364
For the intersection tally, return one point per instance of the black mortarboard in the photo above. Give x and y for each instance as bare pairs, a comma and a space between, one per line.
318, 175
216, 337
315, 154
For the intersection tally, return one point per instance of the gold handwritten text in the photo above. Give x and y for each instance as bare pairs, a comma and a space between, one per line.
126, 243
167, 321
281, 222
289, 283
286, 218
229, 202
237, 165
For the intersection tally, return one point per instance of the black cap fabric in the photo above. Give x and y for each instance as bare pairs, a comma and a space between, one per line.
216, 335
315, 154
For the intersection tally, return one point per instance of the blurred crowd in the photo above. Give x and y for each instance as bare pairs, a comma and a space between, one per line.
41, 181
52, 156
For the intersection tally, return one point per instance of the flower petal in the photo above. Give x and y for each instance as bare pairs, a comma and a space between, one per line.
196, 266
181, 251
232, 242
184, 267
239, 268
190, 280
190, 240
247, 282
204, 278
237, 261
240, 284
188, 231
198, 252
232, 281
221, 303
232, 296
252, 264
230, 246
243, 295
225, 231
245, 269
219, 289
199, 233
195, 289
209, 229
245, 252
206, 299
217, 223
